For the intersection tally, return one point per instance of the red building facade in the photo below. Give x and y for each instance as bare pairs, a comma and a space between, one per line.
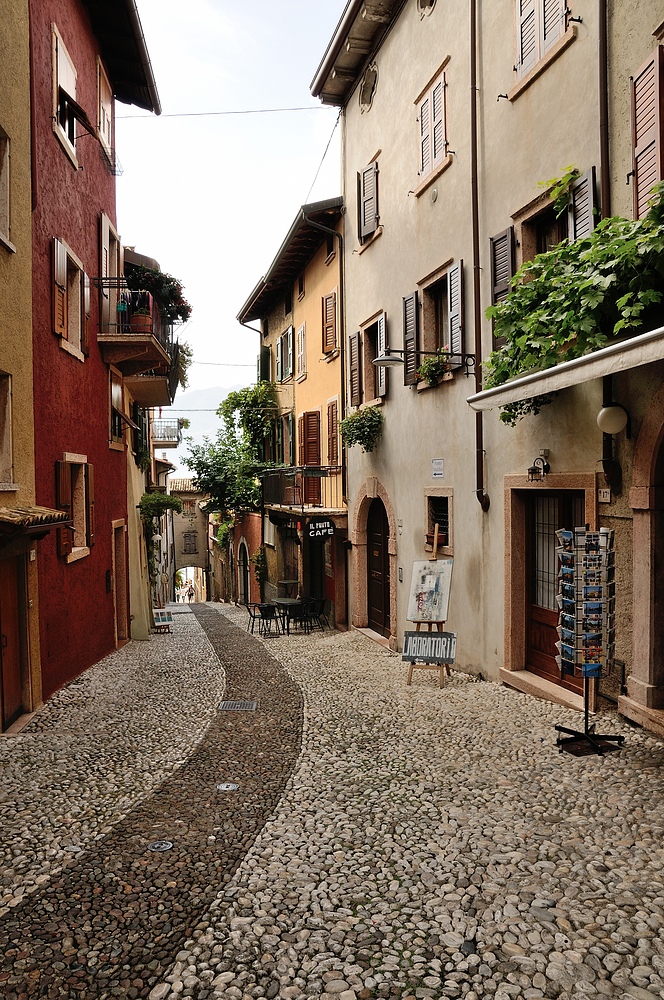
81, 56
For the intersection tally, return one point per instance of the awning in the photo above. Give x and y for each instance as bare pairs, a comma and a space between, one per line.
642, 350
31, 520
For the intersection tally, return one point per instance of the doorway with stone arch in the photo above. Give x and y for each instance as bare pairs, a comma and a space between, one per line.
374, 562
243, 573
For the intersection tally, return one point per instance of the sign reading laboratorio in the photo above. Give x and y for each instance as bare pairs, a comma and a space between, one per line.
437, 468
429, 647
323, 528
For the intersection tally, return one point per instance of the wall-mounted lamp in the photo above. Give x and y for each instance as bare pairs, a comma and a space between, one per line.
538, 469
612, 419
394, 358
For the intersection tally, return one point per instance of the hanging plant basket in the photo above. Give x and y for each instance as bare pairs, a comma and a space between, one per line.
363, 427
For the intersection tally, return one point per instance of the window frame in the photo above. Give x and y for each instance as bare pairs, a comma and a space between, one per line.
117, 414
64, 86
428, 100
363, 346
74, 494
5, 191
71, 296
6, 432
105, 120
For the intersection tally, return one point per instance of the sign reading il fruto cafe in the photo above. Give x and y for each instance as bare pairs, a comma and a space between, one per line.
320, 528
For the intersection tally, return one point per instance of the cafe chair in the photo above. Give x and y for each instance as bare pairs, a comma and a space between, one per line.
254, 616
298, 617
269, 620
318, 613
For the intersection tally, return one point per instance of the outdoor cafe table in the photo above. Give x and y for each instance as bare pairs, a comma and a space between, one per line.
284, 605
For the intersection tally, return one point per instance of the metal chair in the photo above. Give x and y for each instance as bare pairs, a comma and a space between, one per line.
298, 616
254, 616
269, 623
318, 614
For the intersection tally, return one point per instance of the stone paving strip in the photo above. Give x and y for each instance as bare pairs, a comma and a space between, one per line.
434, 843
111, 920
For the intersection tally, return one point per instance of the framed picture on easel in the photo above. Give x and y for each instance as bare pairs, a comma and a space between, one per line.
430, 591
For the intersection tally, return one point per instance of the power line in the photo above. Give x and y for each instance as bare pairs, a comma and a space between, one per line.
224, 364
217, 114
323, 156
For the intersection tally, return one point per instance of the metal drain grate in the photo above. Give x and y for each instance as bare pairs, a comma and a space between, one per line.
160, 845
238, 706
227, 786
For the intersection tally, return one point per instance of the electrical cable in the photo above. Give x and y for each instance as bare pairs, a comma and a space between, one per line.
217, 114
323, 156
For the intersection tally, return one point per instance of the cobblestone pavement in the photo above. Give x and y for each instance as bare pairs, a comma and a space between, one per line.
424, 843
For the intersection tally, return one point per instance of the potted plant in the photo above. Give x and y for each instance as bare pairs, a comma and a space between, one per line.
363, 427
432, 369
141, 320
166, 290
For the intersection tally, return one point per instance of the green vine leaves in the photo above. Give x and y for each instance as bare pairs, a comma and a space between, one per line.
577, 297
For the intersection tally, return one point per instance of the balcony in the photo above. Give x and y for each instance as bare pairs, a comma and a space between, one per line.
166, 433
133, 335
303, 488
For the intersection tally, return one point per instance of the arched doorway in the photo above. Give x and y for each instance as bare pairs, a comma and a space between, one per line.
243, 573
378, 568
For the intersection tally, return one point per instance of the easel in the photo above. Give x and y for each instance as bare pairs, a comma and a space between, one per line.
431, 627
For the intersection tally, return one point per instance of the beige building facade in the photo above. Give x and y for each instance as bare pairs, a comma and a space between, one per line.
452, 127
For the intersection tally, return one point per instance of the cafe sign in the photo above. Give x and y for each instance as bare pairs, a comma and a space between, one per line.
429, 647
321, 528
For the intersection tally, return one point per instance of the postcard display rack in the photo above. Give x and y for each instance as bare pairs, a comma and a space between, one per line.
586, 598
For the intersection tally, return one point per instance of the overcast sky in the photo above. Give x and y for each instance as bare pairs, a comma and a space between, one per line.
211, 197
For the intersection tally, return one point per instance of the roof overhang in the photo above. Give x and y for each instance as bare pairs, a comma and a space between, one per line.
298, 248
117, 28
30, 520
622, 356
360, 30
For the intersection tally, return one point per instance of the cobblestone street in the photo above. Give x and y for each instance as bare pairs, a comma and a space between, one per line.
383, 841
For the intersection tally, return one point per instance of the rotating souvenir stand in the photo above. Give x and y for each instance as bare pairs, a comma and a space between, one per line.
438, 626
586, 598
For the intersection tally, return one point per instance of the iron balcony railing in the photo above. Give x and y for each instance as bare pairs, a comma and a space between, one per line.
303, 487
126, 313
167, 433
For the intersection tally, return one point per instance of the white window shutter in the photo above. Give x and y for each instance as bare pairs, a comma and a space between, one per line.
381, 340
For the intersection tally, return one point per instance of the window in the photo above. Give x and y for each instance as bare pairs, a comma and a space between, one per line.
367, 201
329, 247
329, 322
288, 301
117, 410
71, 300
367, 382
269, 532
333, 433
6, 460
438, 502
432, 138
104, 111
647, 96
264, 364
111, 268
442, 326
539, 25
285, 355
65, 94
4, 187
189, 508
309, 453
301, 351
74, 489
190, 542
300, 286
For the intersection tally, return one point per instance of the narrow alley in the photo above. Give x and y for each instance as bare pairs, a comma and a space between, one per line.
382, 840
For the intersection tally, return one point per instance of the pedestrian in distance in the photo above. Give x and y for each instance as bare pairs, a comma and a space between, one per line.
190, 593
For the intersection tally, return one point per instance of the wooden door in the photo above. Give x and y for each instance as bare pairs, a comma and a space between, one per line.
547, 512
10, 641
378, 568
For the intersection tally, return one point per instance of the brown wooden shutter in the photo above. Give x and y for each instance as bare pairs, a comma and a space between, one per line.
527, 35
410, 344
329, 322
354, 371
368, 201
381, 343
332, 434
647, 89
581, 213
455, 310
90, 502
502, 264
63, 502
59, 289
300, 440
312, 486
553, 22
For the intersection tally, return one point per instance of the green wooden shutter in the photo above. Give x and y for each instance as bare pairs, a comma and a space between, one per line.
410, 338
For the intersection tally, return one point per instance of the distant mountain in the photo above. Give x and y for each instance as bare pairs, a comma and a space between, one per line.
198, 406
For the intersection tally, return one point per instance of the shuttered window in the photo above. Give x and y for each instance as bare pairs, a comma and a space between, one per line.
329, 322
410, 339
455, 311
502, 264
431, 117
104, 110
65, 93
381, 345
647, 92
332, 433
367, 197
70, 298
264, 364
354, 369
582, 215
301, 350
59, 289
539, 25
74, 494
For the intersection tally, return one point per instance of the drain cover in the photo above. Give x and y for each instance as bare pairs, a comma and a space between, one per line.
160, 845
238, 706
227, 786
